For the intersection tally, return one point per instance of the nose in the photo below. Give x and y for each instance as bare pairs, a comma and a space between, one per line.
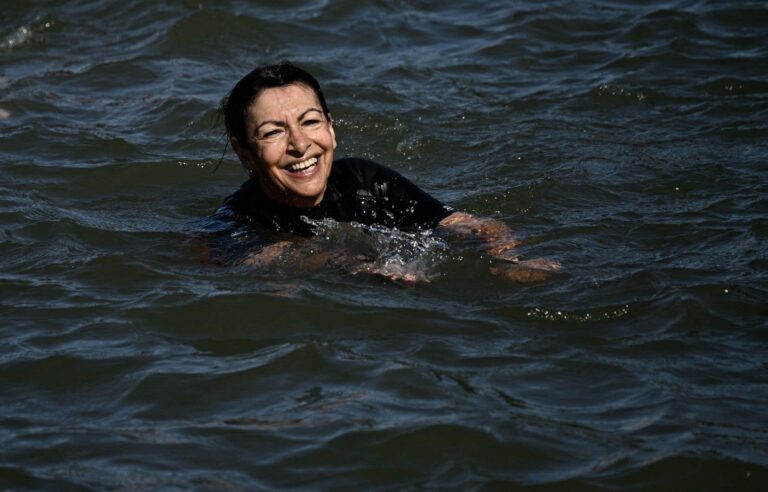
298, 143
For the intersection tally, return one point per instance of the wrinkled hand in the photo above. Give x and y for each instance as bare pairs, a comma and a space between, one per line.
541, 264
527, 271
504, 250
394, 272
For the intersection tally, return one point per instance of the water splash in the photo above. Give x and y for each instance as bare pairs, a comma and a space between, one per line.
398, 255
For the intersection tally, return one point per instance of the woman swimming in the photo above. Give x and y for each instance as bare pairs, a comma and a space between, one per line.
279, 125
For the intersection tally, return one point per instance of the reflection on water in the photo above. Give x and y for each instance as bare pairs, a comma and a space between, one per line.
626, 141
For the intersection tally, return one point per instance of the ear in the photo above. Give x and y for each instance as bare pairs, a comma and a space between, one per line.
243, 153
333, 132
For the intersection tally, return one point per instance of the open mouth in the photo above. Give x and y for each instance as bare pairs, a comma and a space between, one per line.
303, 167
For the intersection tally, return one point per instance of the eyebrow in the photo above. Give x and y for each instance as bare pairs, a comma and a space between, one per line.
281, 123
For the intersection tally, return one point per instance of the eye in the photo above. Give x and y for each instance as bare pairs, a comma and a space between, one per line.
310, 122
270, 134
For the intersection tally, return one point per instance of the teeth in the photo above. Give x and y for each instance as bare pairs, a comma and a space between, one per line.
300, 166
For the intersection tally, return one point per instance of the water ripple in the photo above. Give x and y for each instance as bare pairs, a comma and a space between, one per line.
626, 141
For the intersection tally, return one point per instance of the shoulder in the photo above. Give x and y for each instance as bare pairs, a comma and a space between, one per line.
361, 171
245, 195
359, 165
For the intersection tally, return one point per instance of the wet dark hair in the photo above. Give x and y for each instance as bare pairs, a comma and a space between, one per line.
235, 105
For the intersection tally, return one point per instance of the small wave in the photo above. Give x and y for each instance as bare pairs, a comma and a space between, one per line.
207, 33
27, 478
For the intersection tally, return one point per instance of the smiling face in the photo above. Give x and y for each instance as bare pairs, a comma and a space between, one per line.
290, 145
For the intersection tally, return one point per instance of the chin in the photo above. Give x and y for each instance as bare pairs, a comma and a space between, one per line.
306, 200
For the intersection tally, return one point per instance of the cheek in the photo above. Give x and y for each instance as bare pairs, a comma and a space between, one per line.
269, 157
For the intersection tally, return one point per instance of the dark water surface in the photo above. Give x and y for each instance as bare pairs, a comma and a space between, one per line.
627, 140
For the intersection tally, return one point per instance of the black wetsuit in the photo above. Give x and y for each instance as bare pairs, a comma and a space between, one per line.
358, 190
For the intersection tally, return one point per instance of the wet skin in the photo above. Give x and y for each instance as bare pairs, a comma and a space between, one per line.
290, 145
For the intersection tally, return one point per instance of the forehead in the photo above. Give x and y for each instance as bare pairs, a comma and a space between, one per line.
277, 103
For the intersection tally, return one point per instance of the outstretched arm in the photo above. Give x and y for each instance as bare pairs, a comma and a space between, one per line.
497, 236
500, 243
267, 255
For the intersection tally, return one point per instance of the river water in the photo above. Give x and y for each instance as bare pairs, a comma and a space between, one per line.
626, 140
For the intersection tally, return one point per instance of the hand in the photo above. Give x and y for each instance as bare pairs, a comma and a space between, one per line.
394, 272
541, 264
527, 271
504, 251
